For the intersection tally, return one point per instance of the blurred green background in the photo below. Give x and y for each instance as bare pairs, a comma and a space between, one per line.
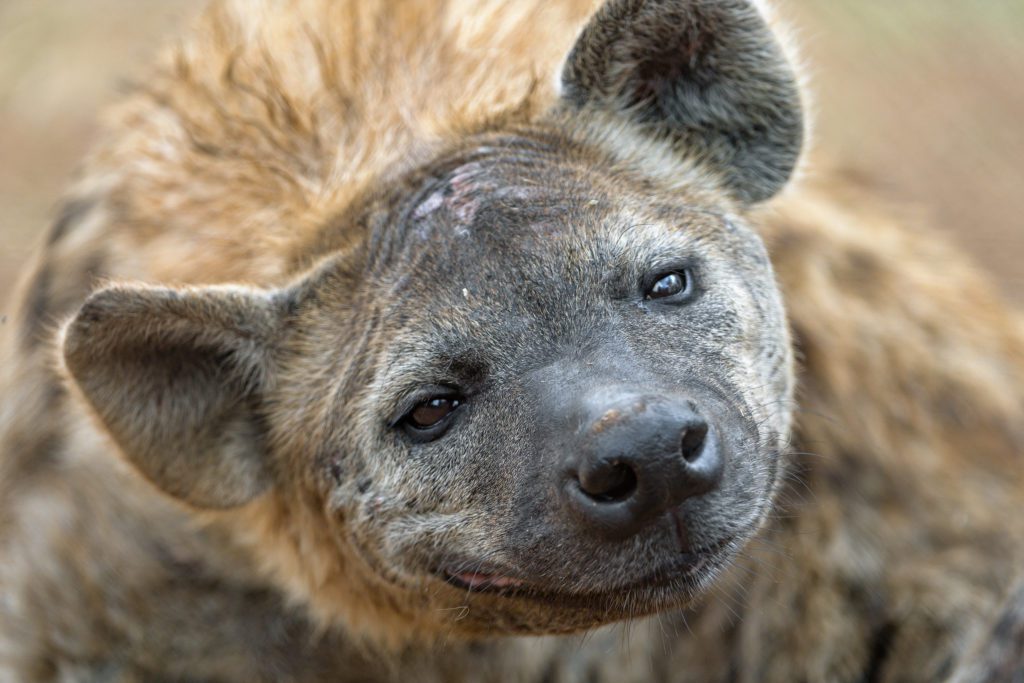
923, 98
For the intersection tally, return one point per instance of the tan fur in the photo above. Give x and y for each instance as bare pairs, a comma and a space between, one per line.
268, 121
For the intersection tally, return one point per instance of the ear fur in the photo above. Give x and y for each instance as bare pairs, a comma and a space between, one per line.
707, 76
176, 377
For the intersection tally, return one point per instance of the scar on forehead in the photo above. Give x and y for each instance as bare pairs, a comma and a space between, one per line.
466, 190
459, 194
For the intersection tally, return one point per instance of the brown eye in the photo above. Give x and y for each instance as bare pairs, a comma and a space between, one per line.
431, 412
431, 417
669, 285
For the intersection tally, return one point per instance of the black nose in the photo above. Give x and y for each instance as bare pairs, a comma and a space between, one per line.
637, 457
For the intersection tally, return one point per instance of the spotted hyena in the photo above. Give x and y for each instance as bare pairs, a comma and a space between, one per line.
405, 339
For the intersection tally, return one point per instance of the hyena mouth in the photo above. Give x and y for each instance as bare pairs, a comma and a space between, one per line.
478, 581
685, 572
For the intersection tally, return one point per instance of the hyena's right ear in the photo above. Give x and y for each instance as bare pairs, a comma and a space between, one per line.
176, 376
706, 76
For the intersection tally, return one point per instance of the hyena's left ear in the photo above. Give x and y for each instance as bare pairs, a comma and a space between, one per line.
177, 376
707, 76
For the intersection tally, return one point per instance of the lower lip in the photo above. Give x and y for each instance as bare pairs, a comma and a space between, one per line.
474, 581
481, 582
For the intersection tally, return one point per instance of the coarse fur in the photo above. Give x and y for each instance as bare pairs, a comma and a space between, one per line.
311, 208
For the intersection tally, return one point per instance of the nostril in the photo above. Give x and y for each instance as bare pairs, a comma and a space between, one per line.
692, 441
609, 483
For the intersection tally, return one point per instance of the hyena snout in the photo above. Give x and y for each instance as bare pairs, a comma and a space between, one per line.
637, 457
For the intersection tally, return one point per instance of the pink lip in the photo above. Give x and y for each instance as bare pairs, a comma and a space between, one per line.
474, 580
478, 581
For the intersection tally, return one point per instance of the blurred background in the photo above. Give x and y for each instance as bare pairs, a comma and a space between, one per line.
924, 99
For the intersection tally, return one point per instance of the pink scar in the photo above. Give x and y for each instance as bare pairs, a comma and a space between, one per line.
466, 192
457, 196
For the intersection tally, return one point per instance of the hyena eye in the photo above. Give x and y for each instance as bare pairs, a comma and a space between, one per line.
429, 413
674, 285
430, 419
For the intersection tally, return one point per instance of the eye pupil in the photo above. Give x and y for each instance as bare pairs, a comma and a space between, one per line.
668, 285
432, 411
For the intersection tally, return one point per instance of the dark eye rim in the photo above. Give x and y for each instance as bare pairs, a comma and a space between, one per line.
689, 291
435, 431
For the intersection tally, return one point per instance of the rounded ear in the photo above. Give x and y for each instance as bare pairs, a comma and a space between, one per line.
176, 377
707, 76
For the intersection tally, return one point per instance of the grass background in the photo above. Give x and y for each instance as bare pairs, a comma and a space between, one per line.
924, 98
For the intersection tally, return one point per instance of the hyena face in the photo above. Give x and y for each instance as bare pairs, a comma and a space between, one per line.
550, 382
576, 393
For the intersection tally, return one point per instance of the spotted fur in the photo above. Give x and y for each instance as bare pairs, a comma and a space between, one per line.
311, 206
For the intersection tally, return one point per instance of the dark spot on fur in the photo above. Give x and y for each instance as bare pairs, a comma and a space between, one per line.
71, 214
45, 668
733, 675
36, 307
863, 271
363, 485
205, 148
40, 453
789, 242
550, 674
881, 646
67, 289
55, 394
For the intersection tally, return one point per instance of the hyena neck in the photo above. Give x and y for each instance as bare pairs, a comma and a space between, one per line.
117, 569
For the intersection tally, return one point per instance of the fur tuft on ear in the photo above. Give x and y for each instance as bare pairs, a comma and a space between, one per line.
176, 377
707, 76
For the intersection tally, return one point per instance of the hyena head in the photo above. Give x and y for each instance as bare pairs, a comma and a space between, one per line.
548, 387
